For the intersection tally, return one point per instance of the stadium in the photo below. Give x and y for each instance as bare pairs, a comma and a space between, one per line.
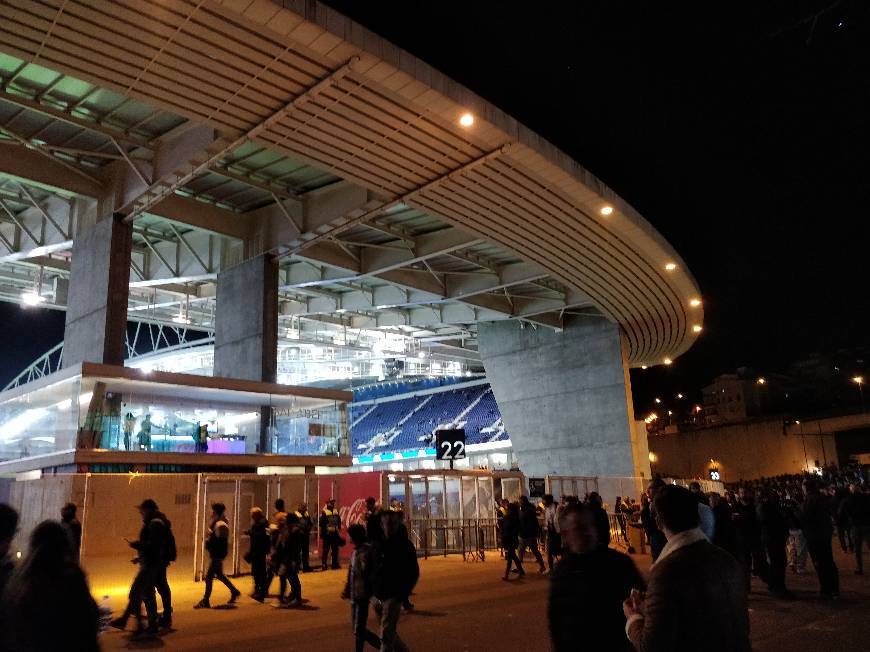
286, 247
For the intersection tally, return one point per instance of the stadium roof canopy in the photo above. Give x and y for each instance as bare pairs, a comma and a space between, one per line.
227, 129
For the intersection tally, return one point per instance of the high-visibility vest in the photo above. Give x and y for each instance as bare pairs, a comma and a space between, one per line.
333, 520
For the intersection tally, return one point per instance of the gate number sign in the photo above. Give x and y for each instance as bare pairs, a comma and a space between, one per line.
450, 444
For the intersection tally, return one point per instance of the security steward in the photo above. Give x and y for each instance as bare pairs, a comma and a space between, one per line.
305, 526
330, 533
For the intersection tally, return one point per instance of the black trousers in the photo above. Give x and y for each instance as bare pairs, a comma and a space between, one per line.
330, 546
142, 591
510, 554
823, 559
216, 571
258, 570
161, 584
777, 562
359, 618
291, 575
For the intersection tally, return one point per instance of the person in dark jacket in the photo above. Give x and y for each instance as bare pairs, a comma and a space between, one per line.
817, 522
590, 581
724, 535
151, 557
47, 604
306, 524
509, 529
654, 534
394, 574
289, 558
330, 534
260, 545
8, 528
695, 598
217, 546
773, 527
602, 522
750, 552
529, 531
357, 588
856, 507
374, 531
72, 526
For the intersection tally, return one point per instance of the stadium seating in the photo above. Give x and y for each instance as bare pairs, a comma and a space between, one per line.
410, 423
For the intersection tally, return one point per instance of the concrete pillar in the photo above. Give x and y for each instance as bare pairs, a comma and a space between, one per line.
96, 315
246, 323
565, 397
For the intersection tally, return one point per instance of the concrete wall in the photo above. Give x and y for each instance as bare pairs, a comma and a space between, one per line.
96, 316
564, 396
746, 450
40, 500
246, 323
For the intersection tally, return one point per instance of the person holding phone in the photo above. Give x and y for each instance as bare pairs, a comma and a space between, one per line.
696, 599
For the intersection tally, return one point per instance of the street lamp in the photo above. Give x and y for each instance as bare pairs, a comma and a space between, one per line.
859, 381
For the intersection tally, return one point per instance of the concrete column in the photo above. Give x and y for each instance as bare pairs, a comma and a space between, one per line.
246, 323
565, 397
96, 315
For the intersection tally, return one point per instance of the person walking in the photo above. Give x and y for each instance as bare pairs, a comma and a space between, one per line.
695, 598
47, 604
529, 531
330, 534
306, 524
590, 581
217, 546
151, 548
654, 535
723, 529
796, 549
817, 519
774, 535
276, 527
509, 528
750, 551
551, 527
602, 521
358, 588
290, 560
395, 572
72, 527
260, 545
856, 507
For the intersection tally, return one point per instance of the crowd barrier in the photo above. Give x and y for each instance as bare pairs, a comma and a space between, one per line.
444, 536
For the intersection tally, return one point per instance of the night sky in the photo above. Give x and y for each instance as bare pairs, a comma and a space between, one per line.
741, 135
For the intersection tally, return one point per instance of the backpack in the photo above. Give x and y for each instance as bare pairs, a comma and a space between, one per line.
170, 552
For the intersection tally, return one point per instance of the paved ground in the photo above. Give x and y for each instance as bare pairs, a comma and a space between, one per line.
465, 606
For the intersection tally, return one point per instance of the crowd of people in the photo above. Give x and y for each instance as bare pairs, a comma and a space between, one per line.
705, 547
382, 573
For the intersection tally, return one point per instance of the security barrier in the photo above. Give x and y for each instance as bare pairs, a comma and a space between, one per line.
470, 538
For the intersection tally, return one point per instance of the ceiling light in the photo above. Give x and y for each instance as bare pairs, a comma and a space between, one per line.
695, 303
697, 328
760, 381
341, 311
679, 396
668, 361
658, 400
606, 210
421, 354
670, 267
180, 319
466, 119
32, 298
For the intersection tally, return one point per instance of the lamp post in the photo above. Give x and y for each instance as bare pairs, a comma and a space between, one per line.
859, 381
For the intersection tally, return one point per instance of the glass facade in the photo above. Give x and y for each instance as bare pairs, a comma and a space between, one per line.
122, 414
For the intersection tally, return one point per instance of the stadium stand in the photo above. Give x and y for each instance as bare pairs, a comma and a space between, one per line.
403, 422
